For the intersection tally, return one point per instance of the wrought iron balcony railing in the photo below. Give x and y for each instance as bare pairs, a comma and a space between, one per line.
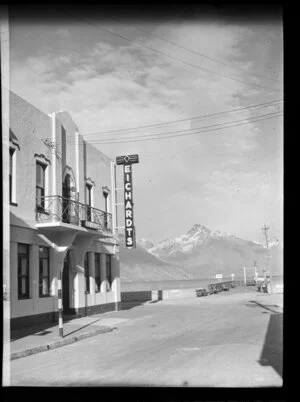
55, 208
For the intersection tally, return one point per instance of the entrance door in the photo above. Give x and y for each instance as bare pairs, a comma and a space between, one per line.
66, 285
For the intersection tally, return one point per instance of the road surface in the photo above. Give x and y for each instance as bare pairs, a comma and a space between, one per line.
222, 340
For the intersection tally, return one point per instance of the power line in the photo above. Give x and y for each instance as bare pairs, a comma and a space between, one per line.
187, 119
178, 135
173, 58
173, 136
197, 53
180, 131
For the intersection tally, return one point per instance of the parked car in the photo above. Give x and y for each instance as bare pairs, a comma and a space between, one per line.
212, 289
225, 287
201, 292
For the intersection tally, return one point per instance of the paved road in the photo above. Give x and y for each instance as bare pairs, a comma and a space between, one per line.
223, 340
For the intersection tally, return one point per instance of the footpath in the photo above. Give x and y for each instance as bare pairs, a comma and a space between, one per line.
35, 339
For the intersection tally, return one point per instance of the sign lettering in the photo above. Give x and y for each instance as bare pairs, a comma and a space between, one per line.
129, 227
127, 161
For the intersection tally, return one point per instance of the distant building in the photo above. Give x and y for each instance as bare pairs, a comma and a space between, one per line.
61, 219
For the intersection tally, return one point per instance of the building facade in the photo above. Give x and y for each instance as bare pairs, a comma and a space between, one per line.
62, 218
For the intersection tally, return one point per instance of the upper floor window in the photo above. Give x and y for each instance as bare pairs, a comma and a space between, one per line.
11, 154
106, 205
44, 277
40, 185
23, 271
89, 188
12, 175
13, 147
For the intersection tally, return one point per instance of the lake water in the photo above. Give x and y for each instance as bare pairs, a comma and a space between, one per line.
184, 283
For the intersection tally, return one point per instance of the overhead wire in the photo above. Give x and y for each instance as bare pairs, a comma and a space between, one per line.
97, 26
178, 131
194, 52
171, 57
186, 119
137, 139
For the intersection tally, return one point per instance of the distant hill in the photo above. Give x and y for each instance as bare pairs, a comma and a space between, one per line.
197, 254
137, 264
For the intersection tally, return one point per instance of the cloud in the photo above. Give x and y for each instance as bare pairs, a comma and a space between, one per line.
128, 75
64, 32
208, 176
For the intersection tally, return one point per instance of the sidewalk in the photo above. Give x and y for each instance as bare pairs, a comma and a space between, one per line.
31, 340
270, 301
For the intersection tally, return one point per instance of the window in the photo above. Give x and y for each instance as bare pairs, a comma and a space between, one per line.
23, 271
44, 278
87, 273
97, 272
40, 186
12, 176
89, 202
11, 153
108, 273
106, 209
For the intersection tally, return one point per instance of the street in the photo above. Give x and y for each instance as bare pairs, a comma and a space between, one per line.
231, 339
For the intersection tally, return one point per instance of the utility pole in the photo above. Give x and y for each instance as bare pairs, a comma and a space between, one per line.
265, 229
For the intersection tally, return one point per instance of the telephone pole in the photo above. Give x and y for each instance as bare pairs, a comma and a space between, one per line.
265, 229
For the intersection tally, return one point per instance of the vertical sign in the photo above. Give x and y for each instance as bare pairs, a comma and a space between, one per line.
128, 203
127, 161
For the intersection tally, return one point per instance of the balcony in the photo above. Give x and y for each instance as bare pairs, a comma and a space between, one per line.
57, 209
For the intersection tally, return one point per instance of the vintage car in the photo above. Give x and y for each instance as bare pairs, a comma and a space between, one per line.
201, 292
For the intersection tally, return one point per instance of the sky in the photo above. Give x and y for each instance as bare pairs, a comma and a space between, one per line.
119, 73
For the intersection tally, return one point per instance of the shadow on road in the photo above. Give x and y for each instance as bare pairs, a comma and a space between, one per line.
128, 305
80, 328
272, 353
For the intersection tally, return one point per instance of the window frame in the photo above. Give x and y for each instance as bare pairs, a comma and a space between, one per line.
98, 267
40, 207
106, 195
41, 275
108, 270
12, 175
22, 256
89, 201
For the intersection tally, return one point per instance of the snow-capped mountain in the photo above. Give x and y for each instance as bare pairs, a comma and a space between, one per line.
146, 244
137, 264
199, 253
203, 252
197, 236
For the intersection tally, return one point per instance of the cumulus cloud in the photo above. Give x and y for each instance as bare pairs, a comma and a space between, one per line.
109, 86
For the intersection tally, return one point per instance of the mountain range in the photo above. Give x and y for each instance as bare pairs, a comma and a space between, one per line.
199, 253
